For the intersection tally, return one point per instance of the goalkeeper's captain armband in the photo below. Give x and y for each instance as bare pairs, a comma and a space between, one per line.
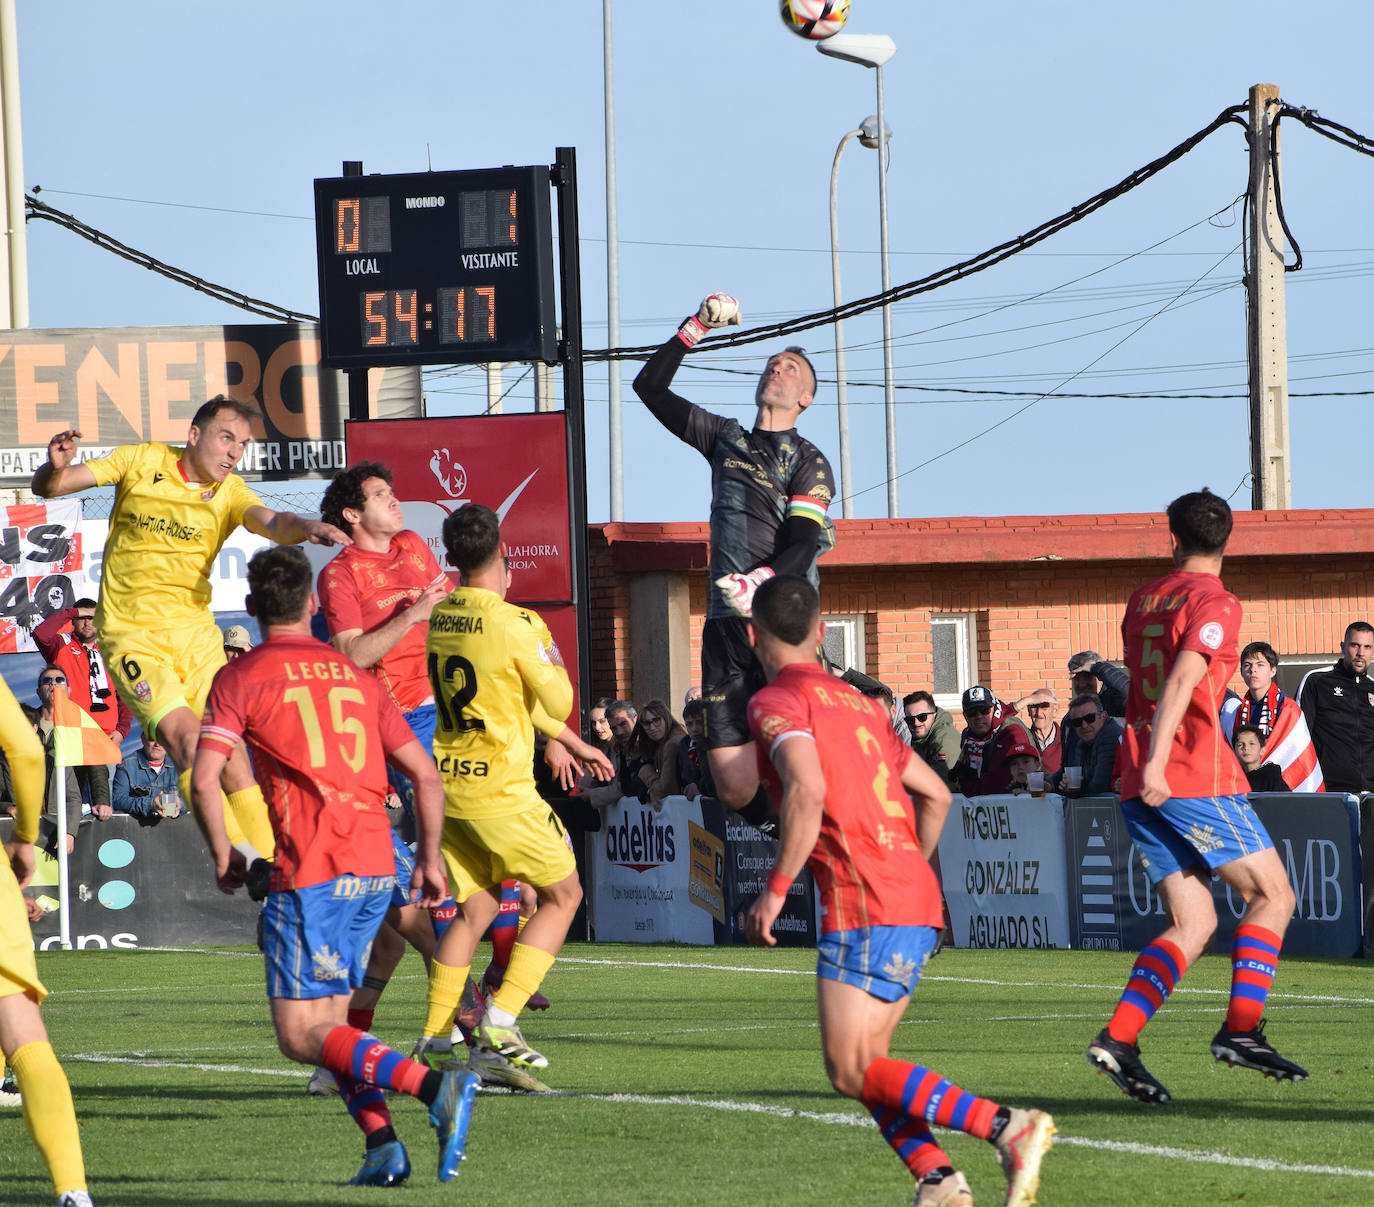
716, 310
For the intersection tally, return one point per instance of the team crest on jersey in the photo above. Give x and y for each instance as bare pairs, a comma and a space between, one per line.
771, 726
206, 495
143, 691
1210, 635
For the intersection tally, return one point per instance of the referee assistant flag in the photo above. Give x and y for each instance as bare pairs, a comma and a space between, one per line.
77, 739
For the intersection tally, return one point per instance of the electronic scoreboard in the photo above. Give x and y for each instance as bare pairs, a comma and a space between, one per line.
436, 268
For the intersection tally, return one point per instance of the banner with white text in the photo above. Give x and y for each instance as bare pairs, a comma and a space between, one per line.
42, 568
1003, 871
642, 877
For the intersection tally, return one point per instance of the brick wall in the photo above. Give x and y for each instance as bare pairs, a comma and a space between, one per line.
1033, 610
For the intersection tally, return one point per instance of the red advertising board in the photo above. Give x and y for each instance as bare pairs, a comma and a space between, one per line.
516, 465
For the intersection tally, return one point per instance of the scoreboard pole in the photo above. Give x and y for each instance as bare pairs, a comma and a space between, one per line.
564, 177
357, 378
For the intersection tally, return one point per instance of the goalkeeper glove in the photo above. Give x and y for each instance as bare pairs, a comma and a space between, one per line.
717, 310
739, 589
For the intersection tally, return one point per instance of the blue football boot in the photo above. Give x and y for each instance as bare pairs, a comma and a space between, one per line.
450, 1115
385, 1165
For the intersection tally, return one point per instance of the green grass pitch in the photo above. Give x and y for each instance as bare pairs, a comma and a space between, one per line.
691, 1076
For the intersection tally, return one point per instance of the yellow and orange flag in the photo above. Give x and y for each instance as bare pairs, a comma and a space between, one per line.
77, 739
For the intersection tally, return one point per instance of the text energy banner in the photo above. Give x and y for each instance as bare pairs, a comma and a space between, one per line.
1003, 871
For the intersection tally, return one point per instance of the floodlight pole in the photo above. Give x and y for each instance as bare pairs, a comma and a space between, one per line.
841, 385
873, 50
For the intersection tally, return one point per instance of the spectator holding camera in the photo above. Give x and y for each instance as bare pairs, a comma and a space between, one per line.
76, 653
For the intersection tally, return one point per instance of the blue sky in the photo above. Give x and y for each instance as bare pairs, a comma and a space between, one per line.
1003, 115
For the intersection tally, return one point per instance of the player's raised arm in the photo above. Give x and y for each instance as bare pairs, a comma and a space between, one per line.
672, 410
61, 474
288, 528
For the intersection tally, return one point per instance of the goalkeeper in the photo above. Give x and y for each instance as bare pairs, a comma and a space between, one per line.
770, 491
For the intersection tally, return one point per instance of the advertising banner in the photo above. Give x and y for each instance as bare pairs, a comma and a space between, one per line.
515, 464
124, 385
42, 568
749, 853
1002, 865
137, 886
642, 875
1317, 839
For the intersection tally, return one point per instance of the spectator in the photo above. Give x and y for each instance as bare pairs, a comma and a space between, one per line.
657, 740
1282, 727
1339, 707
692, 693
142, 782
76, 653
1248, 743
991, 730
875, 689
933, 734
693, 767
1095, 751
94, 781
622, 717
601, 728
236, 641
1022, 760
1046, 734
1090, 675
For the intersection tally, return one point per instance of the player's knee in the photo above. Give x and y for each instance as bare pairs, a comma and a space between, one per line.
845, 1076
291, 1045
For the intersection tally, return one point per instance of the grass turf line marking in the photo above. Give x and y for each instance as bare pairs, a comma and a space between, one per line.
832, 1118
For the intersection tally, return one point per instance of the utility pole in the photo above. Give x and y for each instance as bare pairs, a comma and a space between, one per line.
14, 255
1266, 327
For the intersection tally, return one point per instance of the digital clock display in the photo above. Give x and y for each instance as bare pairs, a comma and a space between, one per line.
436, 267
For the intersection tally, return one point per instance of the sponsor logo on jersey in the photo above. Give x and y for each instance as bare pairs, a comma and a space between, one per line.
158, 477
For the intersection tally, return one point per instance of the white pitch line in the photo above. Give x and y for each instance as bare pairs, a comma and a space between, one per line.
831, 1118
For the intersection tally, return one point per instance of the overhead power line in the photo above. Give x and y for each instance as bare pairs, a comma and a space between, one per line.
41, 209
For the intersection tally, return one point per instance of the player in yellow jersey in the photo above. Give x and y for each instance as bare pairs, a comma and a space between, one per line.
48, 1111
174, 508
496, 674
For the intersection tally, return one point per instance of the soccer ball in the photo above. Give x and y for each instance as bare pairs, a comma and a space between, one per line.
815, 19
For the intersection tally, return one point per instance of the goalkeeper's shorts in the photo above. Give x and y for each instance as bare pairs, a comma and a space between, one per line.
730, 675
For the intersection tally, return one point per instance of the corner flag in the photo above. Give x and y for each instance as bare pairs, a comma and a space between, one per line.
77, 739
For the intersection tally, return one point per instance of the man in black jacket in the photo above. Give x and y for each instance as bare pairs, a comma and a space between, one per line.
1339, 707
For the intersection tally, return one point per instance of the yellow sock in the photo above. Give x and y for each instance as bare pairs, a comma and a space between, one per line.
49, 1114
528, 968
446, 985
250, 811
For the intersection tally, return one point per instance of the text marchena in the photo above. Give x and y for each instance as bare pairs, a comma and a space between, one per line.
640, 842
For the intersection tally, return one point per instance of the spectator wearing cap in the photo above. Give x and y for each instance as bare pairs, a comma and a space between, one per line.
236, 641
1089, 673
1095, 751
933, 734
1339, 707
1022, 760
991, 729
